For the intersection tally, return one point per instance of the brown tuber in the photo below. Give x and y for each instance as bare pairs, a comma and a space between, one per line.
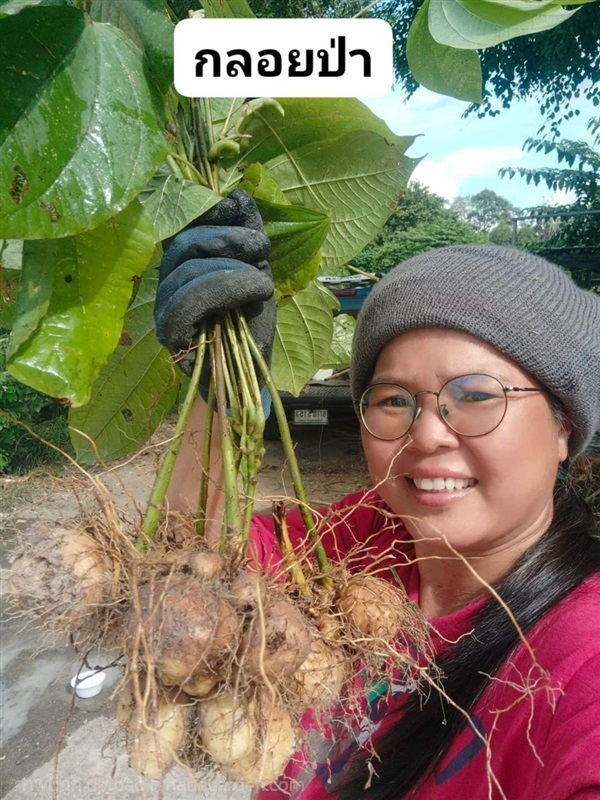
186, 628
374, 608
156, 732
63, 578
276, 642
251, 740
319, 679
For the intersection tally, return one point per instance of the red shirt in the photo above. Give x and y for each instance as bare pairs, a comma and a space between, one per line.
544, 744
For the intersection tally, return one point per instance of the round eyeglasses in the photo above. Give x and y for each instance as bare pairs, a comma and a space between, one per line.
470, 405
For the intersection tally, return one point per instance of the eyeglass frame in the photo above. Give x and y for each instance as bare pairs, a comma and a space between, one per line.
419, 408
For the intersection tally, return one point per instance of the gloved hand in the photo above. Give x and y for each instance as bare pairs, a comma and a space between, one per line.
216, 264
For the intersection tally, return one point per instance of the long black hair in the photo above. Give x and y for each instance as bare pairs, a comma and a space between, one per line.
567, 554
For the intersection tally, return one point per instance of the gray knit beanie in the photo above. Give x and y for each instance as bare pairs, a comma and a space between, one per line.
526, 307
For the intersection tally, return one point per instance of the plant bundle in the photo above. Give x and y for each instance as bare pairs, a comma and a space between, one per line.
221, 659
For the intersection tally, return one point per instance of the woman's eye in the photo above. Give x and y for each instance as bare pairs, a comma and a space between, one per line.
395, 401
475, 397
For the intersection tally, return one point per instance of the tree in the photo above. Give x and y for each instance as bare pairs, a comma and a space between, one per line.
420, 222
558, 67
527, 235
580, 176
484, 210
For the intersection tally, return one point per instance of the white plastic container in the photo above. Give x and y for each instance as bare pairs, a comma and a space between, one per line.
88, 684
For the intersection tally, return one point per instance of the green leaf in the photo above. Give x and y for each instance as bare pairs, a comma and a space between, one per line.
82, 129
341, 343
296, 236
136, 388
303, 337
261, 185
176, 202
442, 69
296, 233
225, 9
355, 179
473, 26
148, 24
15, 6
300, 279
306, 121
71, 300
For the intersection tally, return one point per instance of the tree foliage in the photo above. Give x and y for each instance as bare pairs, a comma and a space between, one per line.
558, 67
419, 222
579, 176
484, 210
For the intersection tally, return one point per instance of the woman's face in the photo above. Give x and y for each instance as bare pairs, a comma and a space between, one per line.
512, 469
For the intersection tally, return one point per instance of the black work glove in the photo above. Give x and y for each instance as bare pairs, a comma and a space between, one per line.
216, 264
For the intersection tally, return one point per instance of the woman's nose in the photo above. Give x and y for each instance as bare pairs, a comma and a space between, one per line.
429, 431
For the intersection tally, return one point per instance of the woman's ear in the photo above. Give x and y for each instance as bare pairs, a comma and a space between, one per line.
564, 433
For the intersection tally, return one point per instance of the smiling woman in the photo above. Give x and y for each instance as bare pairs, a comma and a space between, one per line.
476, 375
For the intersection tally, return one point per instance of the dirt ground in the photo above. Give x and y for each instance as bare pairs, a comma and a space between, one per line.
54, 745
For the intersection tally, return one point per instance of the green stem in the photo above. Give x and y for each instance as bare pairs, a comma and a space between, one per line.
186, 169
231, 523
288, 552
290, 454
163, 478
205, 463
250, 417
204, 167
210, 141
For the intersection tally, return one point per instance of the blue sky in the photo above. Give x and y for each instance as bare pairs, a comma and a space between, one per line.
463, 156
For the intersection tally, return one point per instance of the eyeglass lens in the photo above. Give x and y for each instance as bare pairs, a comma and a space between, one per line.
471, 405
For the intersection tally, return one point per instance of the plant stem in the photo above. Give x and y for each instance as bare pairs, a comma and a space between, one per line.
250, 417
163, 478
204, 167
231, 522
290, 454
289, 554
191, 173
205, 463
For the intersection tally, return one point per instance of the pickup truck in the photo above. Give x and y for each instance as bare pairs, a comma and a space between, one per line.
326, 399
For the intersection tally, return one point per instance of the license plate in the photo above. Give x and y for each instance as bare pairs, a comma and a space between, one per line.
311, 416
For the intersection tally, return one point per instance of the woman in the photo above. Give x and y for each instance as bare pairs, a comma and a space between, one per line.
476, 372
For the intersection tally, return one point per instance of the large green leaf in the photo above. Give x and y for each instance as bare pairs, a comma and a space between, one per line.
442, 69
535, 5
225, 9
147, 23
81, 129
306, 121
341, 342
136, 388
303, 338
469, 25
174, 203
296, 236
356, 179
72, 296
296, 233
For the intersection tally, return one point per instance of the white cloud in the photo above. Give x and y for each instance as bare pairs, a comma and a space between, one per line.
559, 197
447, 175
